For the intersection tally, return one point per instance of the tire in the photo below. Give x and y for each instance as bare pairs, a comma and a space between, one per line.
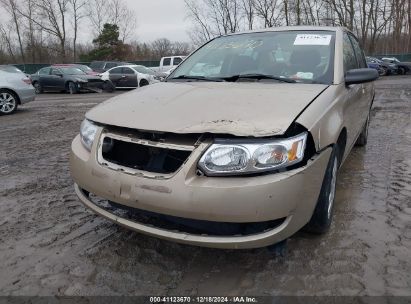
72, 87
8, 102
38, 88
322, 217
363, 137
383, 72
143, 83
401, 71
108, 86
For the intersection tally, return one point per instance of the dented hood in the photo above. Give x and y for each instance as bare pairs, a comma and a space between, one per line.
241, 109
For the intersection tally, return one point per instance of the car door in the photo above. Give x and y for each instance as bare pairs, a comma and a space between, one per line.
56, 79
115, 76
354, 95
177, 60
130, 78
367, 89
43, 75
166, 64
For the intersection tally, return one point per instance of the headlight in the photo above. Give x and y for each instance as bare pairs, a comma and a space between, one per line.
235, 157
88, 132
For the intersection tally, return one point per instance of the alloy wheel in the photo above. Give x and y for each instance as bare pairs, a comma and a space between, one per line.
7, 102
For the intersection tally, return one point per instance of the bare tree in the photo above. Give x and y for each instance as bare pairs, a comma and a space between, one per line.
50, 16
249, 12
269, 11
11, 7
124, 17
98, 14
78, 13
5, 36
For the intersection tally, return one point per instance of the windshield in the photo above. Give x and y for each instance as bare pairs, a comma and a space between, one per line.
72, 71
143, 69
10, 69
84, 68
304, 56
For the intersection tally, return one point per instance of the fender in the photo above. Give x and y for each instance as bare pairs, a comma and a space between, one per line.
324, 117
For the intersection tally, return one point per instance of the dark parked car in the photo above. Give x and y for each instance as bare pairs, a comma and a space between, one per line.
102, 66
375, 65
69, 79
403, 67
389, 68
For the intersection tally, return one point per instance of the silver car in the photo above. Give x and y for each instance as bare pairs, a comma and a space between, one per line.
15, 89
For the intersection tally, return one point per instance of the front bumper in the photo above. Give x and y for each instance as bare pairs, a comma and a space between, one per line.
96, 86
291, 195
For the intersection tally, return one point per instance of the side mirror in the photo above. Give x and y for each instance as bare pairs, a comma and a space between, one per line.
357, 76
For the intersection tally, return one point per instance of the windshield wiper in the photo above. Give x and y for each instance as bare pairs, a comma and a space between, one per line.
203, 78
259, 77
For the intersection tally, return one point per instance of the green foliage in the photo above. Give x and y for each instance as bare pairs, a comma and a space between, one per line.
108, 45
109, 36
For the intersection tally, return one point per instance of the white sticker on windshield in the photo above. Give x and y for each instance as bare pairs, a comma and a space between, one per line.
312, 39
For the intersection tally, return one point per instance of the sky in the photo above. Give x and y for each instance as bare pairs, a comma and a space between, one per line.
160, 19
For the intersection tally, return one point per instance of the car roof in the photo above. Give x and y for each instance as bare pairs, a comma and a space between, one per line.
294, 28
67, 64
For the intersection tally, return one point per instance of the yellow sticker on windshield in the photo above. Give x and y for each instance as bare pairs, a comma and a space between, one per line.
312, 39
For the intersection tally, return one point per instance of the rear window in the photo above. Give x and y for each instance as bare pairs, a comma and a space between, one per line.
10, 69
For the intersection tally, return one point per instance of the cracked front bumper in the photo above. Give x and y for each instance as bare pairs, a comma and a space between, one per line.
291, 195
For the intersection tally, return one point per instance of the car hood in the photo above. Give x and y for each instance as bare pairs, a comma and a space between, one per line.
241, 109
86, 77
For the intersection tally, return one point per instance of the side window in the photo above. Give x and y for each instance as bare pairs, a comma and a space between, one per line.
128, 71
166, 61
56, 72
350, 62
44, 71
177, 61
116, 71
358, 52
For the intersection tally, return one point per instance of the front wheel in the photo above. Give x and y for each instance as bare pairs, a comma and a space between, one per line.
143, 83
321, 219
72, 88
37, 87
8, 102
401, 71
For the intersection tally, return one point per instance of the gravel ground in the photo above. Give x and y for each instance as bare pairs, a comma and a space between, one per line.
51, 245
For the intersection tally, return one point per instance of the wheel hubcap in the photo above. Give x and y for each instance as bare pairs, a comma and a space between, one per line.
7, 103
333, 186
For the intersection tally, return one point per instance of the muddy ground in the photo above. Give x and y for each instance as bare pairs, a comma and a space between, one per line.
51, 245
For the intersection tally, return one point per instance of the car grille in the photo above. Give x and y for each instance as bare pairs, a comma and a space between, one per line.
136, 153
184, 225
